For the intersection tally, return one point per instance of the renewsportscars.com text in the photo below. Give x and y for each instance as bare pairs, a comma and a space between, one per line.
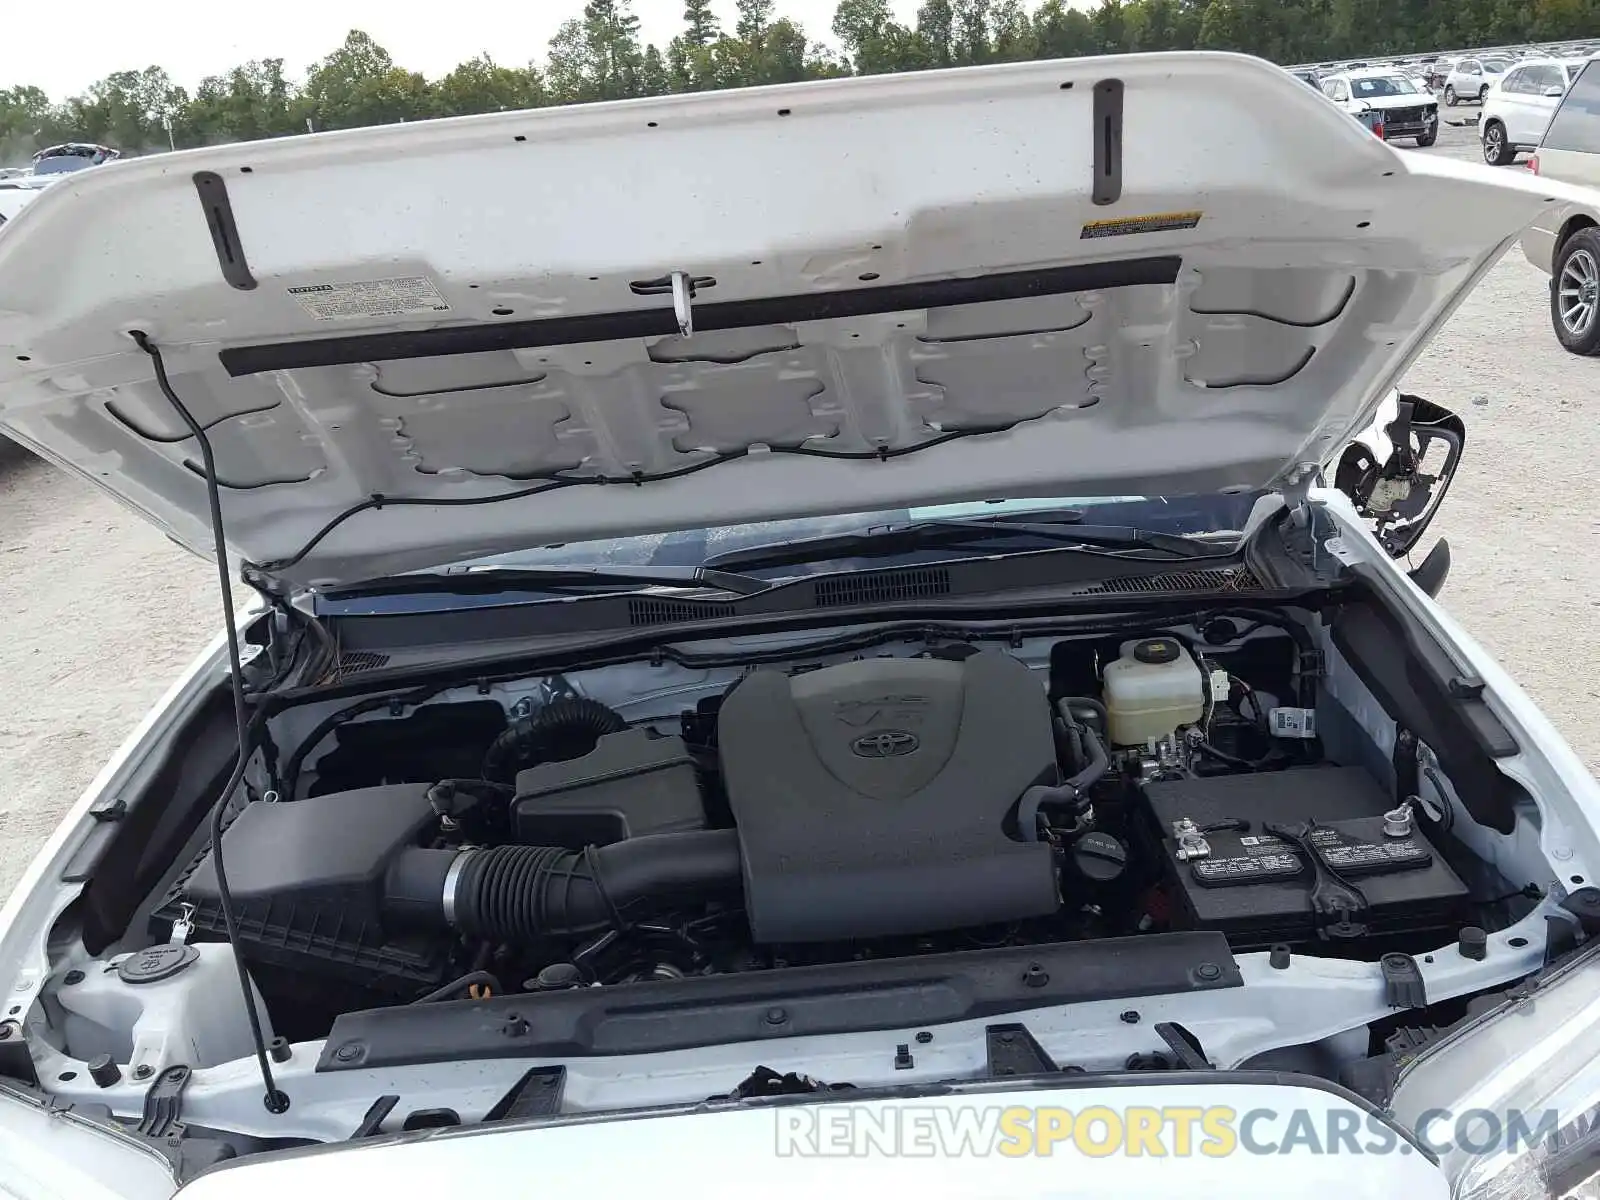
1101, 1131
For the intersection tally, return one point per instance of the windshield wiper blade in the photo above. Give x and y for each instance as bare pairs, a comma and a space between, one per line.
553, 579
936, 535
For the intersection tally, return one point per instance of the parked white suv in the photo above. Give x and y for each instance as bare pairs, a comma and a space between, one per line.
1471, 79
1520, 105
1564, 240
1401, 108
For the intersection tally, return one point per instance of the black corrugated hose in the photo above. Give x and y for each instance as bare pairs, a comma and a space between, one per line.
561, 730
517, 893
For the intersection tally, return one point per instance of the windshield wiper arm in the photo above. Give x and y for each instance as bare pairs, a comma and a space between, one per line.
935, 535
553, 579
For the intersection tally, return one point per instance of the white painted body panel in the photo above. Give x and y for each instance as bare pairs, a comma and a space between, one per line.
1318, 265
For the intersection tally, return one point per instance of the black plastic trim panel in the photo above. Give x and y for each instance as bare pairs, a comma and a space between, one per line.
224, 231
857, 997
1107, 142
727, 314
932, 621
123, 858
1421, 686
387, 627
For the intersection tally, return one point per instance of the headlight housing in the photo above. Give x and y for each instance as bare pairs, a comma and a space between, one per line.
1512, 1100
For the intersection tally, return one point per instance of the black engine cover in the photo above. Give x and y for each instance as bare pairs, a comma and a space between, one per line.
870, 796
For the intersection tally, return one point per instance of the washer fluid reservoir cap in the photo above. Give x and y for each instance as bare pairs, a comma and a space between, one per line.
155, 963
1157, 650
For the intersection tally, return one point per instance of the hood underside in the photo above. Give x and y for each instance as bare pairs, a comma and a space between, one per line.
1012, 281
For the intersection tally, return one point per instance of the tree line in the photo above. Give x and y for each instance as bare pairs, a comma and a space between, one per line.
599, 55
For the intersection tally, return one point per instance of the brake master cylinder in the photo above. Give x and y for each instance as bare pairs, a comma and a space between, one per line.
1154, 688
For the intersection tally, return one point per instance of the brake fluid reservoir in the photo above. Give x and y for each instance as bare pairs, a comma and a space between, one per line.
1151, 690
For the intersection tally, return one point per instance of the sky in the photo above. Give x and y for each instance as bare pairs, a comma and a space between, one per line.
64, 45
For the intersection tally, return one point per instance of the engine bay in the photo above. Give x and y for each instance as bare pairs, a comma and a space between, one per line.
581, 829
1229, 837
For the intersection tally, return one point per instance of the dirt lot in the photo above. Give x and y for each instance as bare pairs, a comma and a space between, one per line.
101, 612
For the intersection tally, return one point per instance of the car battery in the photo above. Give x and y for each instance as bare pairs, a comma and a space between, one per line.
1256, 886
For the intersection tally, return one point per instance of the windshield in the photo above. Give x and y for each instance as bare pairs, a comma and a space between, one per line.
1388, 85
689, 548
60, 164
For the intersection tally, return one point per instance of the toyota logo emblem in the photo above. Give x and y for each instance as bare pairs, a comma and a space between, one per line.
890, 743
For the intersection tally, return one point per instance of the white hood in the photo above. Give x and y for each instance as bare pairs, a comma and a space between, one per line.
1265, 272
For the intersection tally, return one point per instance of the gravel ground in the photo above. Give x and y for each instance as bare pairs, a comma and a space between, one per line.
102, 612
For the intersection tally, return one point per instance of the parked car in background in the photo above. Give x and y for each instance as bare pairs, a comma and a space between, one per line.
1519, 106
1307, 76
72, 156
1471, 79
1371, 120
17, 191
1564, 241
49, 165
1401, 107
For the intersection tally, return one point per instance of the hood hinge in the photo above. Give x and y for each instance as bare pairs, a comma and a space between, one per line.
1296, 490
262, 581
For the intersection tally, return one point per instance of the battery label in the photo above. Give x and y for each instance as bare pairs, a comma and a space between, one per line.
1263, 857
1373, 858
1246, 868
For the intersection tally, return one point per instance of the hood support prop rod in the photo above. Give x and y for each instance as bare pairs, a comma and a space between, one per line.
275, 1100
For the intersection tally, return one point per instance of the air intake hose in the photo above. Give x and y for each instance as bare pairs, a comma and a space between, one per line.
516, 893
562, 729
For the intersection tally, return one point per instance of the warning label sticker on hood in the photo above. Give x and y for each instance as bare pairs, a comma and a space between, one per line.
406, 296
1149, 223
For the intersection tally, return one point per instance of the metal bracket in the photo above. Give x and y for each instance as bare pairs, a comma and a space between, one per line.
183, 927
683, 302
1560, 938
1296, 486
1186, 1048
163, 1103
161, 1123
1397, 822
1013, 1050
372, 1123
1403, 985
1403, 462
536, 1094
1191, 841
1337, 548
